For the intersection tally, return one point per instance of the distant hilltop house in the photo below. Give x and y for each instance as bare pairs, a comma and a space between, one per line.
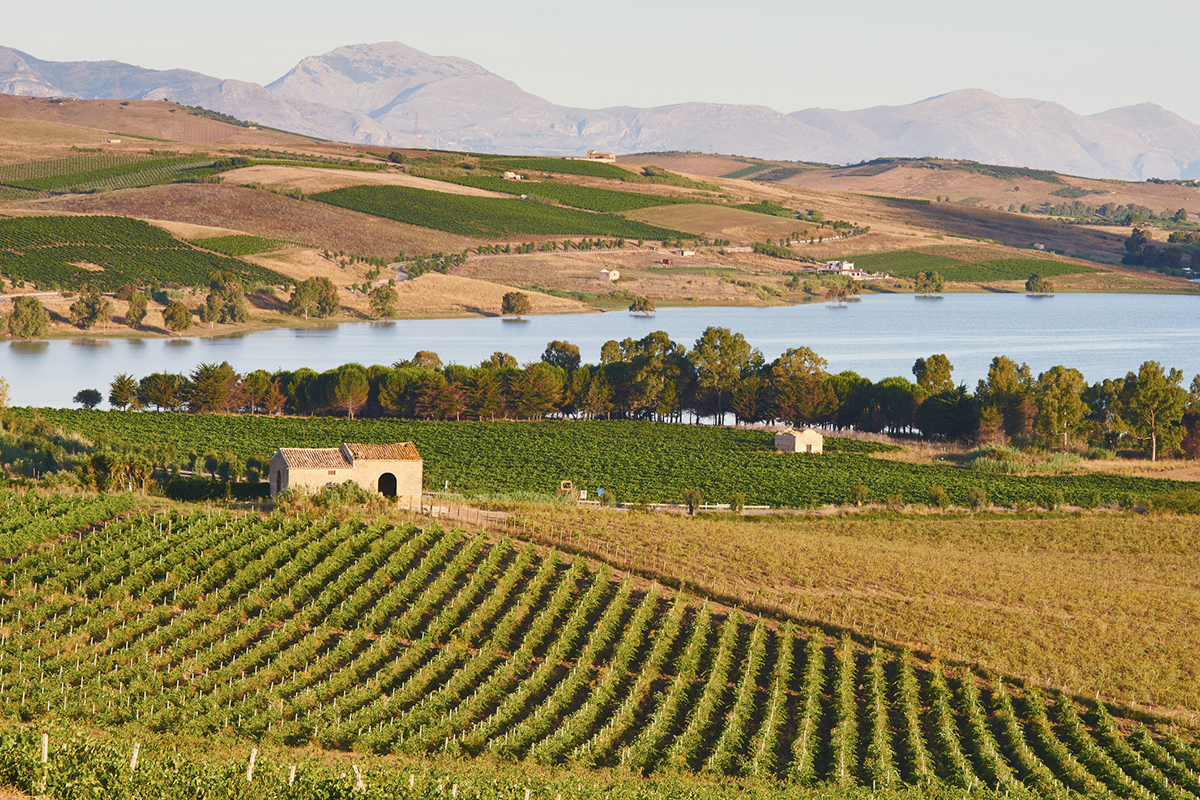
804, 440
845, 268
595, 155
684, 252
610, 275
513, 176
392, 470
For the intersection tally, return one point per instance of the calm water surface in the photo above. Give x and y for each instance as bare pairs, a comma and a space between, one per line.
1102, 335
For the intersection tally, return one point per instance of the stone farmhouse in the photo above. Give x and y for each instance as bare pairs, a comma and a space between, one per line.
805, 440
392, 470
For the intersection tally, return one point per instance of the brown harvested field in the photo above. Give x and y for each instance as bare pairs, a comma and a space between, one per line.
262, 213
21, 140
698, 165
717, 221
315, 179
697, 279
958, 184
147, 118
441, 295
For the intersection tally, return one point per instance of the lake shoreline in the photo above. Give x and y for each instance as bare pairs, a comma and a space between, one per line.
61, 331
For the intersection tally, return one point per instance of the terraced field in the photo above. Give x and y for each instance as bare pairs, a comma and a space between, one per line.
394, 638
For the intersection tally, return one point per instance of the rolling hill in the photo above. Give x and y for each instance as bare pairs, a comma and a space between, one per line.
390, 94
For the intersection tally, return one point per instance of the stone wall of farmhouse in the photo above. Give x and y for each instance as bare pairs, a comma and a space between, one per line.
365, 473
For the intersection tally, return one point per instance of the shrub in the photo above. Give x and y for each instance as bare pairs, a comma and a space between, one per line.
938, 496
977, 497
858, 493
693, 499
344, 494
737, 503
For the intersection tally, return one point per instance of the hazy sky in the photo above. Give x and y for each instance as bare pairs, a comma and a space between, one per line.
786, 54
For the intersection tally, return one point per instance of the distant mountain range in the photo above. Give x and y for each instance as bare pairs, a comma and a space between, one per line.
393, 95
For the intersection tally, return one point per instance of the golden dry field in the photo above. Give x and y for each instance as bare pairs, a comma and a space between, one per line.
1095, 603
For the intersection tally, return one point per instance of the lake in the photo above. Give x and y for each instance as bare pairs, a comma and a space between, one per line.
1102, 335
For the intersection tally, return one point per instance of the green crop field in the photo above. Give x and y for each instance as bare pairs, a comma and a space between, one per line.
562, 166
486, 217
49, 251
384, 637
98, 172
631, 459
240, 245
585, 197
908, 263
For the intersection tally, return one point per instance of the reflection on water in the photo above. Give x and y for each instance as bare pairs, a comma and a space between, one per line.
22, 348
1103, 336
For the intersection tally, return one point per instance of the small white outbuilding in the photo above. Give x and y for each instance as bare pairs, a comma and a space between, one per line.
804, 440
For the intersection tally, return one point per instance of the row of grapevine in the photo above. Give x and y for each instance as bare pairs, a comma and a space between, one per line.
570, 194
630, 458
103, 172
393, 638
49, 251
486, 217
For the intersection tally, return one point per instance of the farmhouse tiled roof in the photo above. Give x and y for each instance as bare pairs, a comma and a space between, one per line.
400, 451
314, 458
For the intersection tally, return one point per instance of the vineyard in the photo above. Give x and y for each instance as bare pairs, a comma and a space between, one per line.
240, 244
51, 251
609, 201
383, 637
908, 263
485, 217
631, 459
98, 172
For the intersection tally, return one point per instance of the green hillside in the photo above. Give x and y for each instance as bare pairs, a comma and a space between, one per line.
107, 252
486, 217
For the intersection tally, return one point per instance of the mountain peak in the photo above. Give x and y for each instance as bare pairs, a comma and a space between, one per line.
367, 77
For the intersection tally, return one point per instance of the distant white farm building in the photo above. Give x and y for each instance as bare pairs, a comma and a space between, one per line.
610, 275
846, 268
805, 440
513, 176
392, 470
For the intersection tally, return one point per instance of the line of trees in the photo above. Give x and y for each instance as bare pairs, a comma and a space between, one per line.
720, 375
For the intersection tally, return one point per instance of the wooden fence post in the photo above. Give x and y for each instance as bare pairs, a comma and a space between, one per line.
250, 766
137, 747
358, 780
292, 775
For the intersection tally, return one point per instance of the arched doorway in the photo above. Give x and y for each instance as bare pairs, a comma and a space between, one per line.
387, 484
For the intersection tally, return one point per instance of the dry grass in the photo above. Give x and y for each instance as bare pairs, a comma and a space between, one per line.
161, 120
696, 279
718, 221
1093, 604
315, 179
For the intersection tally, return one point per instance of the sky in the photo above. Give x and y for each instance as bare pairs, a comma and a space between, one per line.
1088, 55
